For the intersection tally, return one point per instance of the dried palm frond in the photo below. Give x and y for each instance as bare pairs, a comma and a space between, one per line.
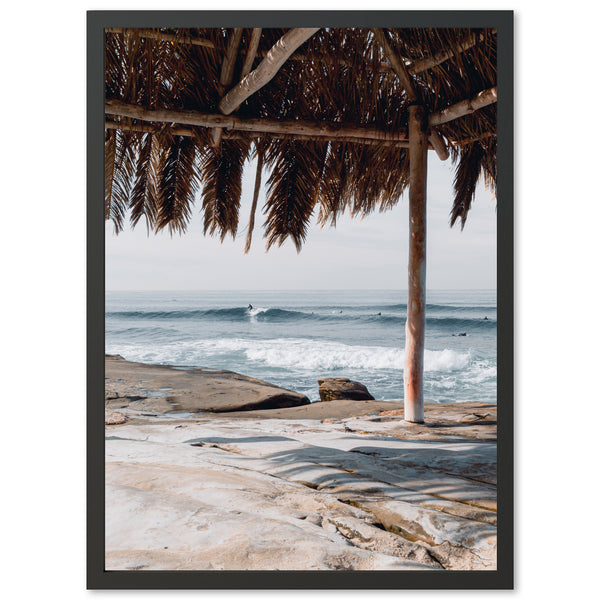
144, 196
465, 181
177, 185
119, 170
222, 186
257, 182
338, 76
292, 188
335, 191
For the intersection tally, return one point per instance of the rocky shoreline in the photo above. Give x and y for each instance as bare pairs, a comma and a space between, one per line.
343, 484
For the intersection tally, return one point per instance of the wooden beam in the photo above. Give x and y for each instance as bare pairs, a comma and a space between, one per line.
397, 64
411, 91
228, 65
418, 66
415, 317
267, 69
147, 128
252, 50
464, 107
322, 129
159, 35
470, 140
439, 145
236, 135
226, 76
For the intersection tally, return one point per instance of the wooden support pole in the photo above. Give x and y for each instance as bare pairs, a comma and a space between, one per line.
414, 411
267, 69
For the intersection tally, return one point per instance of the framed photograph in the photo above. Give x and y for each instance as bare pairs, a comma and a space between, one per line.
300, 313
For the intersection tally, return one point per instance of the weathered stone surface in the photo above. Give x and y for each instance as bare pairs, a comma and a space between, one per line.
340, 388
114, 418
329, 485
216, 492
161, 389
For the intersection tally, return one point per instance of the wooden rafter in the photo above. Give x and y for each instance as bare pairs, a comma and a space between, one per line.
465, 141
252, 50
418, 66
322, 129
237, 135
464, 107
226, 77
267, 69
411, 91
166, 37
397, 64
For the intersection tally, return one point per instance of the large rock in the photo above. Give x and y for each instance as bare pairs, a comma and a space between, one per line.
340, 388
161, 389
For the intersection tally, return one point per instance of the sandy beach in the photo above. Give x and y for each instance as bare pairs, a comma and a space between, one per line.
205, 471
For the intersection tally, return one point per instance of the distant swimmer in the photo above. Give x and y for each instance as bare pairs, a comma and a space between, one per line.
485, 319
250, 307
378, 314
459, 334
341, 311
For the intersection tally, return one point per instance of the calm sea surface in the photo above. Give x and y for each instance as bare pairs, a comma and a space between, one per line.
292, 338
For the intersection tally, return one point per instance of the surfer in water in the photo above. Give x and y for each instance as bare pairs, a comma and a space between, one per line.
250, 307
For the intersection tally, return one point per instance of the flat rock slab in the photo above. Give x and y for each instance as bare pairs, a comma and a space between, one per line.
216, 492
161, 389
339, 485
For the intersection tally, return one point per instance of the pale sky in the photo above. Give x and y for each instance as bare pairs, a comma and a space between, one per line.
371, 253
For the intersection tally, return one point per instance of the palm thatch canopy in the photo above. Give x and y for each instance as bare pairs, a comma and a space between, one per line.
324, 110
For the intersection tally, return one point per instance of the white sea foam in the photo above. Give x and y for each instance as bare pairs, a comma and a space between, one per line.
297, 354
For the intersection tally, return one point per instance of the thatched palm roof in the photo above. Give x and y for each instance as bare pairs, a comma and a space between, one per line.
330, 127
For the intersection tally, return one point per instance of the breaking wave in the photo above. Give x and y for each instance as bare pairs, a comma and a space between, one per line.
298, 354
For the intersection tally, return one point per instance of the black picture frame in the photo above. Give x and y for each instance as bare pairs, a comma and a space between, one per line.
97, 576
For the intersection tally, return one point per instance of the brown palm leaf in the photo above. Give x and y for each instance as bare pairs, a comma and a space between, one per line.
222, 186
120, 162
334, 192
144, 196
296, 171
465, 181
178, 184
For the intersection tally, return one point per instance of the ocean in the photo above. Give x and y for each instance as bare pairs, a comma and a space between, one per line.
293, 338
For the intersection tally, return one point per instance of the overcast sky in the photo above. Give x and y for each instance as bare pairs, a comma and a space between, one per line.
371, 253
